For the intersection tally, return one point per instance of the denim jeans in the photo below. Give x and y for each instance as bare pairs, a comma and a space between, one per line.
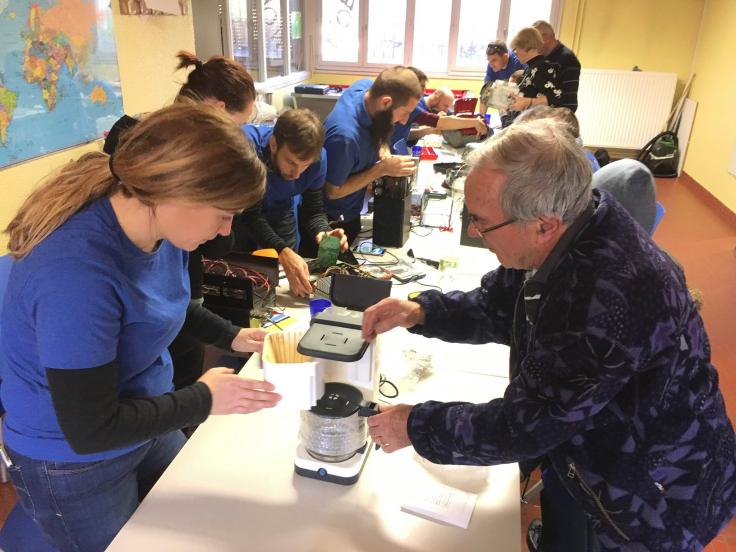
81, 506
565, 527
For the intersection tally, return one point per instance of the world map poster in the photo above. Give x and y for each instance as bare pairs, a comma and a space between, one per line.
59, 80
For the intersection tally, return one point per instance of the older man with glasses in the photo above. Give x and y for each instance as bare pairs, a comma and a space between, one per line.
611, 386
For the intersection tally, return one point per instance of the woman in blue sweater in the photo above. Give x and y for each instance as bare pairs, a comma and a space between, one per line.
98, 290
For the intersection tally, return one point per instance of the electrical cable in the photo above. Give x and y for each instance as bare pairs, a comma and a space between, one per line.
383, 380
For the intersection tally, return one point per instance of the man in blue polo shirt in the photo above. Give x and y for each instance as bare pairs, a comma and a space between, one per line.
357, 133
293, 154
501, 65
431, 115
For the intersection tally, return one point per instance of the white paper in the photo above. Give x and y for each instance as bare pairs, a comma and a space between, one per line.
442, 503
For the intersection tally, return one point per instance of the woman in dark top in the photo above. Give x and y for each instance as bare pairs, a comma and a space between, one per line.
97, 291
538, 84
225, 85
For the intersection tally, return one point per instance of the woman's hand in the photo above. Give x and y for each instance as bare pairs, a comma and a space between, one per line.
232, 394
249, 340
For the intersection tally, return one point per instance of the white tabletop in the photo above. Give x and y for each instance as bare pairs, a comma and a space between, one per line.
233, 487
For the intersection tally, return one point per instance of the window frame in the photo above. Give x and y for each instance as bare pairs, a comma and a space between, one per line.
270, 83
453, 69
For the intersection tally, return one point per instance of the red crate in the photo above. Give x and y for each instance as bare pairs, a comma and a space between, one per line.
428, 154
465, 106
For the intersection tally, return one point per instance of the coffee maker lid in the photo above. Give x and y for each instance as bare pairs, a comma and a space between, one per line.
339, 401
335, 334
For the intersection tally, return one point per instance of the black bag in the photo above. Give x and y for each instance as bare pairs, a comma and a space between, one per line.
661, 155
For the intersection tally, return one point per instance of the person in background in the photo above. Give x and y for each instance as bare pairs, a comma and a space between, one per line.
502, 64
430, 116
297, 164
566, 117
565, 61
224, 84
97, 291
357, 135
440, 101
538, 84
611, 384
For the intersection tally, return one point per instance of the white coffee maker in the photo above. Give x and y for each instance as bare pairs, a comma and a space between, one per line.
333, 438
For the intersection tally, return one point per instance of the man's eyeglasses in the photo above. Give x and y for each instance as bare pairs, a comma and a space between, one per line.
474, 222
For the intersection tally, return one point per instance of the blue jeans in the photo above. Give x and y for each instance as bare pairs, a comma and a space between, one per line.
81, 506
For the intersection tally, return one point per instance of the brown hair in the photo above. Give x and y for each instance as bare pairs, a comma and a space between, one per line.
302, 131
527, 38
186, 151
399, 83
421, 75
219, 78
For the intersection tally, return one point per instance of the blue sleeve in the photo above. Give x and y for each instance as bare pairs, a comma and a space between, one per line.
484, 315
341, 159
73, 331
556, 395
489, 73
318, 173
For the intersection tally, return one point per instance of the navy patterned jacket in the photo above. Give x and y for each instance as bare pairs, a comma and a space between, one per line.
612, 382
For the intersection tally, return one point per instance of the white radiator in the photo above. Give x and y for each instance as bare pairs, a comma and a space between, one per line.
623, 109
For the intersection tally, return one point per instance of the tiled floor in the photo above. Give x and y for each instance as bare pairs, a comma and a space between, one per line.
703, 239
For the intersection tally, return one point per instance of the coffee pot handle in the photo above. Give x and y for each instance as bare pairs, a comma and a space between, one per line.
367, 408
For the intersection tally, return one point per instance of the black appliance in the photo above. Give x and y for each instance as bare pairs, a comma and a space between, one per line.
392, 210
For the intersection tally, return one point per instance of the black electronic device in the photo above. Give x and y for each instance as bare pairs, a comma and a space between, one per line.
315, 89
392, 210
356, 292
228, 296
268, 266
465, 239
228, 291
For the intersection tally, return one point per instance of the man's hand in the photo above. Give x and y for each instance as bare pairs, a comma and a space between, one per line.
388, 428
391, 313
480, 127
397, 165
339, 233
249, 340
297, 272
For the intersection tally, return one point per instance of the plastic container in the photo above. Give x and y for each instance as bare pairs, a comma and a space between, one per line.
297, 378
465, 105
318, 305
428, 154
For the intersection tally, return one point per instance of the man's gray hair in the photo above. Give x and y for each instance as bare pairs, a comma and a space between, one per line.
546, 170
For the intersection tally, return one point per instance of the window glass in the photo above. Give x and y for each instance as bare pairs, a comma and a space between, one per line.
339, 33
274, 31
296, 34
431, 35
478, 26
244, 26
524, 13
386, 30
